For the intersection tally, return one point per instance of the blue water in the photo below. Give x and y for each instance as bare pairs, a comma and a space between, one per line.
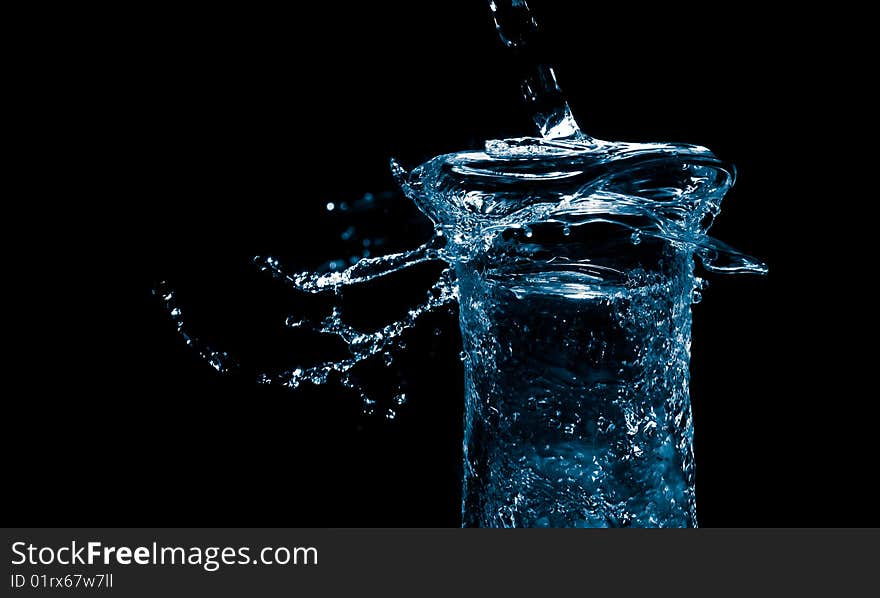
572, 261
574, 264
577, 402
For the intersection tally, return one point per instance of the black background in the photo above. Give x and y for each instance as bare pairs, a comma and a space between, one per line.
171, 145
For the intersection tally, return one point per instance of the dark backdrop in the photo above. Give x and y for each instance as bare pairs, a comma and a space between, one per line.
171, 145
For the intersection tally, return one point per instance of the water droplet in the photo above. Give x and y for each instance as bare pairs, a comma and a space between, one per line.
400, 399
636, 237
698, 296
369, 406
566, 230
390, 414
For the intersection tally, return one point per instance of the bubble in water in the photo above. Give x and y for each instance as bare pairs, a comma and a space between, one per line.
400, 399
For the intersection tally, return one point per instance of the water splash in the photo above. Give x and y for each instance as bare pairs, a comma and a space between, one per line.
652, 190
363, 270
663, 190
361, 345
219, 360
572, 262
